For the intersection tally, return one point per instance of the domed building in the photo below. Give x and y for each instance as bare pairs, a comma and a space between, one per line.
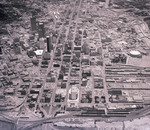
135, 53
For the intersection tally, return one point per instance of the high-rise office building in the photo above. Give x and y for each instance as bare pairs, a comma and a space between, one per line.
1, 50
49, 43
33, 23
41, 30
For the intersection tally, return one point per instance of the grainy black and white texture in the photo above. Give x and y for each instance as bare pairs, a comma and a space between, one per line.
74, 64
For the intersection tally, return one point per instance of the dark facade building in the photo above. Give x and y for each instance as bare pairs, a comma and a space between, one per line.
33, 23
1, 50
49, 43
41, 30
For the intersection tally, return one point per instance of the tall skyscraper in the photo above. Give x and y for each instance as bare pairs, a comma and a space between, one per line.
1, 50
49, 43
33, 23
41, 30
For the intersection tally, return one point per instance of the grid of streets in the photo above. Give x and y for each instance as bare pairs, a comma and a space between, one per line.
98, 66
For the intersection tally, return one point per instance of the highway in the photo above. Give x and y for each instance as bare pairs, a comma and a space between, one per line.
48, 126
131, 116
31, 124
7, 118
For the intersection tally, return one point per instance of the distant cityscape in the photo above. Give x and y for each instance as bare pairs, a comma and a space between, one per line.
81, 64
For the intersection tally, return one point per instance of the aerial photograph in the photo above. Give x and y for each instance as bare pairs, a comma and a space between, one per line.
74, 64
